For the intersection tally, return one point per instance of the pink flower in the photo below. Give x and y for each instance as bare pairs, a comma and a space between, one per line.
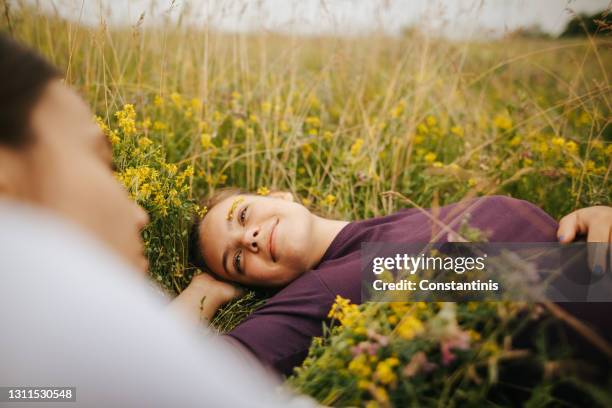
418, 364
459, 341
382, 340
365, 347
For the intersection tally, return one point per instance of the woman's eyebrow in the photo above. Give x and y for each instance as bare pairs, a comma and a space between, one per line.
230, 212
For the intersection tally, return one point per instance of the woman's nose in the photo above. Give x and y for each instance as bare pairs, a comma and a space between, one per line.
142, 217
251, 239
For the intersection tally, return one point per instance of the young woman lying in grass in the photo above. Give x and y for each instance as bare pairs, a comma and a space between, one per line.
273, 241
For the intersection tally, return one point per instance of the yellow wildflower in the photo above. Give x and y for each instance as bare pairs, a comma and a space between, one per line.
584, 118
127, 119
558, 141
313, 121
144, 141
263, 191
542, 147
230, 212
360, 367
474, 335
431, 121
306, 150
502, 122
356, 147
381, 395
516, 140
384, 373
206, 141
571, 146
173, 196
158, 101
171, 168
384, 370
196, 104
339, 304
409, 327
457, 131
266, 107
239, 123
113, 137
364, 384
176, 99
430, 157
157, 125
398, 109
330, 199
145, 191
589, 166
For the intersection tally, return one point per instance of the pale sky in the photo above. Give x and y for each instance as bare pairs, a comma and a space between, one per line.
452, 18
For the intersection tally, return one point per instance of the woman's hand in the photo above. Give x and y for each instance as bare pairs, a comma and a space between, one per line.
215, 290
596, 223
203, 297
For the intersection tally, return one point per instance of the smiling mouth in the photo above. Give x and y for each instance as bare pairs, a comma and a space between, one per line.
271, 241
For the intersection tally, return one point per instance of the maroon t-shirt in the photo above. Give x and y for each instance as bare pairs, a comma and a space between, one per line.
280, 332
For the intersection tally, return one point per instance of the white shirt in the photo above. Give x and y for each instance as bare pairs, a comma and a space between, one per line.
73, 314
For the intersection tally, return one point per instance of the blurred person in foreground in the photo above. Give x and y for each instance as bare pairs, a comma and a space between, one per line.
74, 311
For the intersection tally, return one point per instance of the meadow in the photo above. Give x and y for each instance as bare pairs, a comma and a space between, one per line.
354, 127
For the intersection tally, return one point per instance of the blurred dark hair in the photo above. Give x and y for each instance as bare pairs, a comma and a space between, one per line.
24, 75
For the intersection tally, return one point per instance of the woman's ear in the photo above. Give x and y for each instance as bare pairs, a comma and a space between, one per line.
283, 195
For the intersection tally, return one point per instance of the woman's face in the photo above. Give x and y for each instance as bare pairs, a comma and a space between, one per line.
261, 241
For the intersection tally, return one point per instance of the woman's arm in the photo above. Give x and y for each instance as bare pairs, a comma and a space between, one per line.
203, 297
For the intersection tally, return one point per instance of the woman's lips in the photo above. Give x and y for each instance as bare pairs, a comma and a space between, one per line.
271, 247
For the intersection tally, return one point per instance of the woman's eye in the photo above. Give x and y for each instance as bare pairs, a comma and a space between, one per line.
237, 261
243, 215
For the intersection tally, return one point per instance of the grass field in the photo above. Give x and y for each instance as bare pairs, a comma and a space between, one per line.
353, 127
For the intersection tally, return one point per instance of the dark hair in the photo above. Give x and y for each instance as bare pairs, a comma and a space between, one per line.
24, 75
